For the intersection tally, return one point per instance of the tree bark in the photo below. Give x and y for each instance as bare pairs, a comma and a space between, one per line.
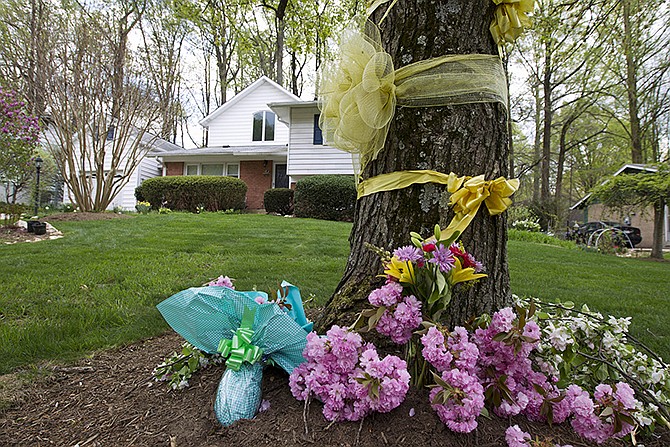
657, 243
469, 139
631, 86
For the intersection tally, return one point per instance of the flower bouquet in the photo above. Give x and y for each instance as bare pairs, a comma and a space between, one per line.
246, 328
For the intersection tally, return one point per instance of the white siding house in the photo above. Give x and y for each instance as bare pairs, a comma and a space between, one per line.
245, 140
308, 154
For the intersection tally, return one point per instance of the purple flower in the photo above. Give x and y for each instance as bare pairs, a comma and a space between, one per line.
408, 253
443, 258
387, 295
516, 437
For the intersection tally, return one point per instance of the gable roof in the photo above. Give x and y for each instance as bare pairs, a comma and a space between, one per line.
241, 95
625, 169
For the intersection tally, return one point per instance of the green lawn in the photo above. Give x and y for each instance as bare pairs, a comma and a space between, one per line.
98, 286
634, 287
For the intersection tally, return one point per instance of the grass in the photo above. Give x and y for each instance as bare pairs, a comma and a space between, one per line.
98, 286
611, 285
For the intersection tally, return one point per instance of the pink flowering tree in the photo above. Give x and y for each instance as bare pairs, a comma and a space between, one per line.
19, 137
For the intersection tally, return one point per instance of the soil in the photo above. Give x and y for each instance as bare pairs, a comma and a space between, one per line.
110, 399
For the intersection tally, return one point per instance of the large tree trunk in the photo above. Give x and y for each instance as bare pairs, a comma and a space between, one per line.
468, 139
631, 86
657, 243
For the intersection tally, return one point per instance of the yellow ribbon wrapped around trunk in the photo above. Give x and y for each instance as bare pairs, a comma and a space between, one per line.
511, 19
360, 91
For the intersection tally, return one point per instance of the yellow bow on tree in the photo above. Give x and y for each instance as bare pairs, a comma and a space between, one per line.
468, 193
359, 91
511, 19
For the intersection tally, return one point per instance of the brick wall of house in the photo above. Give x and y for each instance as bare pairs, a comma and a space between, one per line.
258, 177
643, 220
174, 168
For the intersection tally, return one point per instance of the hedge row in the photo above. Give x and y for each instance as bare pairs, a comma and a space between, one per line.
328, 197
187, 193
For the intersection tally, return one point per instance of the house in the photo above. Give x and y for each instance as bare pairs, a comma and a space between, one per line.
643, 219
308, 153
265, 136
244, 141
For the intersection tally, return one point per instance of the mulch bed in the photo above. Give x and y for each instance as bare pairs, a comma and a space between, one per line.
110, 399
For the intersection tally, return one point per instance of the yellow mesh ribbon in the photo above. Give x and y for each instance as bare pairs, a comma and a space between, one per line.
511, 19
467, 193
360, 91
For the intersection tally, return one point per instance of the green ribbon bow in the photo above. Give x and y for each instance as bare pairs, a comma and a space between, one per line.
239, 348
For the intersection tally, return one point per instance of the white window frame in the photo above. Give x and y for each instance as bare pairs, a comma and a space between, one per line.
263, 126
232, 164
224, 172
197, 168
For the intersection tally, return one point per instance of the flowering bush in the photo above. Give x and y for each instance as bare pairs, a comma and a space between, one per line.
348, 376
527, 225
143, 207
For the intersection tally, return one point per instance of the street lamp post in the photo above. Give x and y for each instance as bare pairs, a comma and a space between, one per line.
38, 167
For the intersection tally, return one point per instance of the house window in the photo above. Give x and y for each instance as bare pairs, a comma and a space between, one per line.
264, 126
214, 169
191, 169
233, 170
318, 135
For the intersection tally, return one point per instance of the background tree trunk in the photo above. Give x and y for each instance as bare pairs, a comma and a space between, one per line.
468, 139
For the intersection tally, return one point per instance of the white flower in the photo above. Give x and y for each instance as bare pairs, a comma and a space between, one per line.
559, 337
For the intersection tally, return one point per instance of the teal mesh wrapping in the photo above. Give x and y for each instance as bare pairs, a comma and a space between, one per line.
239, 394
205, 315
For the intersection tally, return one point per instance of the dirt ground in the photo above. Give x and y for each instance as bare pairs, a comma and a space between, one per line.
110, 399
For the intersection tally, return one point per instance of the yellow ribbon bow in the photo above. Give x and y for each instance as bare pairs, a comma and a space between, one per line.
511, 19
468, 193
359, 92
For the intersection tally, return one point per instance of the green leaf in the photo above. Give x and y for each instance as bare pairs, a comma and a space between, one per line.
500, 336
193, 363
437, 232
602, 373
568, 305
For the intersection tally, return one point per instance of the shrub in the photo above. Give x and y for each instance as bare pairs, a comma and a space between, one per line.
329, 197
526, 225
539, 238
187, 193
278, 200
11, 212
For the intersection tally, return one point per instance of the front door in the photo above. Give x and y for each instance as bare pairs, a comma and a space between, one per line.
281, 179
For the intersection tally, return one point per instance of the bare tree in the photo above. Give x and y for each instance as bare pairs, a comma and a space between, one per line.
101, 108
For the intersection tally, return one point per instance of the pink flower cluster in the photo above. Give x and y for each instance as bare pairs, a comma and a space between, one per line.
595, 421
456, 358
508, 367
457, 351
465, 401
402, 315
348, 376
498, 362
222, 281
14, 121
516, 437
